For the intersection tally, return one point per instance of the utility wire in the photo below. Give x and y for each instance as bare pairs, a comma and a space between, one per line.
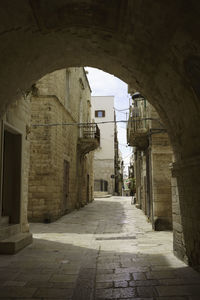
103, 122
121, 109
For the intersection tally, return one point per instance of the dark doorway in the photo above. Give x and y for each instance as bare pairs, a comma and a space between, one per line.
101, 185
11, 186
65, 186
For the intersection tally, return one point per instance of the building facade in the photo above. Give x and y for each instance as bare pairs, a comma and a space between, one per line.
104, 163
119, 165
61, 138
50, 171
152, 158
15, 154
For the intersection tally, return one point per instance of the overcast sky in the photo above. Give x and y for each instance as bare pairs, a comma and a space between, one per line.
104, 84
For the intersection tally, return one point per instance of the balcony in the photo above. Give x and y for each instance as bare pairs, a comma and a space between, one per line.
137, 132
89, 139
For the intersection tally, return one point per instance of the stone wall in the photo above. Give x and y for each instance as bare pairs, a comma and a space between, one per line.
103, 169
153, 176
143, 184
178, 237
86, 180
17, 118
102, 35
161, 158
54, 148
137, 171
50, 146
185, 244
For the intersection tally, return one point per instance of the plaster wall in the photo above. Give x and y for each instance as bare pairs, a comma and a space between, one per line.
106, 149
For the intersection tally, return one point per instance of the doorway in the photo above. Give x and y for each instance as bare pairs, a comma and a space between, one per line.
11, 175
65, 186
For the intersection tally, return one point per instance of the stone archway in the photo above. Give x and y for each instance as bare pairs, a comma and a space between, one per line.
152, 45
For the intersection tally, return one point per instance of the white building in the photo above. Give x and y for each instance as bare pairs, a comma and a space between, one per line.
103, 111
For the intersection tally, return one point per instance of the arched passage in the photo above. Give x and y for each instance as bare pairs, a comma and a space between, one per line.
151, 45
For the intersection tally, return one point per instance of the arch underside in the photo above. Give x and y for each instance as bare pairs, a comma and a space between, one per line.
151, 45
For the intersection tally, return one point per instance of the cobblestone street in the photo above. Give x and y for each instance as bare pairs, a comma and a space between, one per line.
106, 250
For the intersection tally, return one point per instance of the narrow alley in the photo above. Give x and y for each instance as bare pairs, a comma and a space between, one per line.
106, 250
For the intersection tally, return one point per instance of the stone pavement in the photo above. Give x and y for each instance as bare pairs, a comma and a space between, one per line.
106, 250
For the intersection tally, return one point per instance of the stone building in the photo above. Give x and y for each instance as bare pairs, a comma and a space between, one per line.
153, 47
152, 158
61, 161
14, 161
104, 164
51, 170
118, 163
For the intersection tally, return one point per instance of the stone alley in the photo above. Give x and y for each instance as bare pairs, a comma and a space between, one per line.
106, 250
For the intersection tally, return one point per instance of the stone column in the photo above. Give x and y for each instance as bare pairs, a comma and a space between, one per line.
186, 210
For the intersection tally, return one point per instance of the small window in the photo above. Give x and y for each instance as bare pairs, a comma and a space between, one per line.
99, 113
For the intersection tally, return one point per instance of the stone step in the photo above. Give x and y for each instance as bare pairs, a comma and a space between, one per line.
15, 243
101, 195
9, 230
4, 220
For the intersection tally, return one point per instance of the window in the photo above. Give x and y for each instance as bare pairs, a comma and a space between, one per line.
99, 113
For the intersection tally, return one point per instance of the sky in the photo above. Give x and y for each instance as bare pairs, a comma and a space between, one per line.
105, 84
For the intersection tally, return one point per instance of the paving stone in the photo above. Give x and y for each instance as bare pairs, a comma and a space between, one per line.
121, 284
31, 276
108, 266
15, 292
160, 275
125, 293
138, 276
171, 298
47, 284
179, 281
105, 271
101, 285
143, 282
8, 275
180, 290
134, 298
112, 277
85, 284
146, 291
63, 278
65, 262
14, 283
54, 293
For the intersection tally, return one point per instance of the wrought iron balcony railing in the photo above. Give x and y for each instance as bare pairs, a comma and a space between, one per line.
89, 139
137, 128
90, 131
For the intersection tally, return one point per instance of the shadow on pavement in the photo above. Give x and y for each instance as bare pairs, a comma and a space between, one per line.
57, 270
